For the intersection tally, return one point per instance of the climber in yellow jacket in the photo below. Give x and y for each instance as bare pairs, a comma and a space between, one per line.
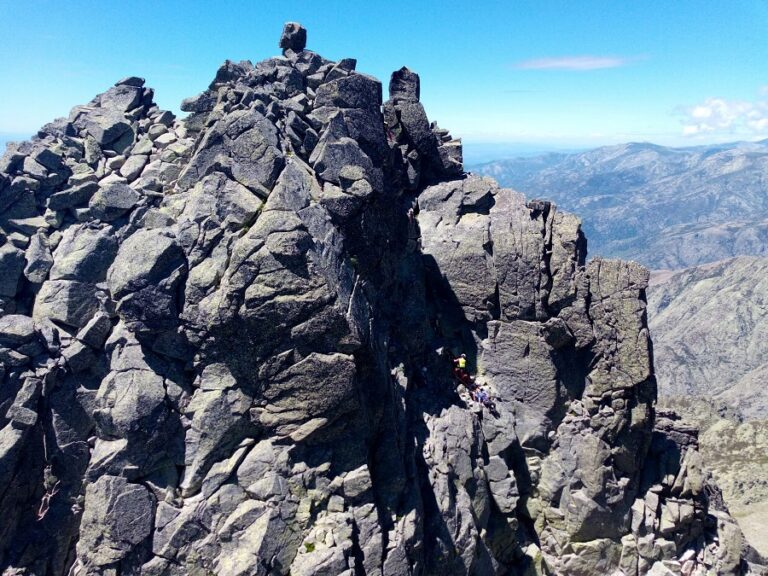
460, 367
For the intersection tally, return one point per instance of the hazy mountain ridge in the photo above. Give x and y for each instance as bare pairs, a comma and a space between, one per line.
667, 208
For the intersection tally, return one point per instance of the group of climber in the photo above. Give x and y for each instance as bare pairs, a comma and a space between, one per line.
476, 392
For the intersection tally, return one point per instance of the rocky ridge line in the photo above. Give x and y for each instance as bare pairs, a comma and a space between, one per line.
222, 343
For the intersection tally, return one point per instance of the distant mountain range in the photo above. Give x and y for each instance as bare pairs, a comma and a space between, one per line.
667, 208
476, 152
709, 326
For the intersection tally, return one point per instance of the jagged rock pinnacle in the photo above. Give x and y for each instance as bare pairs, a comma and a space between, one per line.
404, 85
294, 37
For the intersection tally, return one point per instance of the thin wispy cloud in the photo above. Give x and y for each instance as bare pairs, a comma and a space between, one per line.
576, 63
723, 116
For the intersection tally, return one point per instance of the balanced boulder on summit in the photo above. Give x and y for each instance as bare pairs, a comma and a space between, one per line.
294, 37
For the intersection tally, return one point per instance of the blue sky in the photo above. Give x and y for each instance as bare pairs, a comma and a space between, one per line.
544, 73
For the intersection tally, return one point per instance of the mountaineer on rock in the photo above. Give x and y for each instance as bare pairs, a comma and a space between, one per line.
460, 367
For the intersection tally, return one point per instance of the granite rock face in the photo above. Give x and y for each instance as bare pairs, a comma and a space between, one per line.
225, 350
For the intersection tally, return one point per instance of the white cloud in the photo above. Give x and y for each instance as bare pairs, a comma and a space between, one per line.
577, 63
722, 116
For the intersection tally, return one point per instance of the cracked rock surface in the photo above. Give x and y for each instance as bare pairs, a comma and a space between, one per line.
225, 339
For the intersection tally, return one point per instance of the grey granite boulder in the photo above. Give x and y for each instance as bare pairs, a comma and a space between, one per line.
78, 195
84, 253
353, 91
112, 201
404, 85
38, 258
118, 516
16, 330
121, 98
133, 167
245, 143
330, 158
129, 402
106, 126
70, 302
143, 280
11, 268
144, 260
294, 37
135, 81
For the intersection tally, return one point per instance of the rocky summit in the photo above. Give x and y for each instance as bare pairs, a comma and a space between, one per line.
226, 346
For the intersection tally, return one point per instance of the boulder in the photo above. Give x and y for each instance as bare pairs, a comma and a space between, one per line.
78, 356
130, 403
219, 416
353, 91
118, 516
78, 195
133, 167
131, 81
404, 85
414, 119
16, 330
95, 332
112, 201
201, 103
294, 37
143, 280
329, 159
11, 268
144, 260
247, 145
84, 253
106, 126
38, 258
66, 301
11, 192
121, 98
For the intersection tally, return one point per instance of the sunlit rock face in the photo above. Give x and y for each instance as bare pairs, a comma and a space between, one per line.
225, 345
